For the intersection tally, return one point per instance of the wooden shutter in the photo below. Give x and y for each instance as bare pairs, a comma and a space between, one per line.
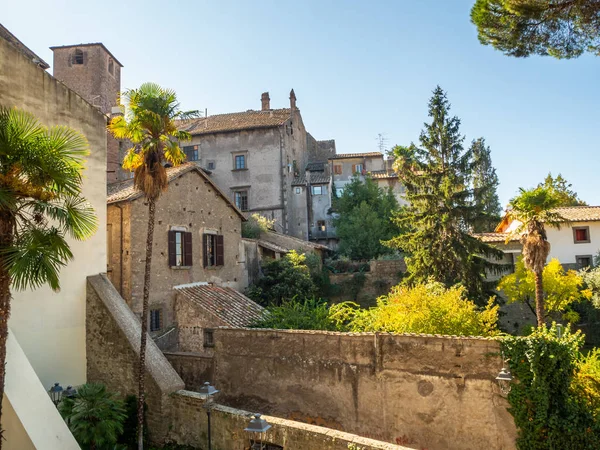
353, 169
187, 249
219, 247
204, 253
172, 256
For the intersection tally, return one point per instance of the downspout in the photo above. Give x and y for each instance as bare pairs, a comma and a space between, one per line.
120, 250
282, 178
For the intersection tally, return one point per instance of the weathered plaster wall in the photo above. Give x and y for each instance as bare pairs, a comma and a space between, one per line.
45, 321
420, 391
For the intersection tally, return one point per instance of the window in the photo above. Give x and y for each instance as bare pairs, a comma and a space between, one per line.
357, 168
211, 165
155, 319
339, 192
584, 261
241, 200
298, 190
321, 226
111, 66
337, 169
191, 152
317, 190
581, 235
180, 248
77, 57
240, 162
209, 338
213, 251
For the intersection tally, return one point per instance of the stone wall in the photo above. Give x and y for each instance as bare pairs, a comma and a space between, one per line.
193, 368
428, 392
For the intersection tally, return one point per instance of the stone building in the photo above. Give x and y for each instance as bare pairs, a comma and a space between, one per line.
254, 156
93, 72
197, 237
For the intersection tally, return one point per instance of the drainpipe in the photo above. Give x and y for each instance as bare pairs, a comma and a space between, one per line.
120, 250
282, 176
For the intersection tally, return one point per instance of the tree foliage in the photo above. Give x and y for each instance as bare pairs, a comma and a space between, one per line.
312, 314
425, 308
286, 278
95, 416
485, 184
561, 189
363, 218
591, 279
441, 214
561, 288
558, 28
554, 399
255, 225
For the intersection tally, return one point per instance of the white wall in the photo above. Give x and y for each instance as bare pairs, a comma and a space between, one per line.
563, 247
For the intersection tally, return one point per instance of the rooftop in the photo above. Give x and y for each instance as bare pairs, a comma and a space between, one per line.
315, 178
125, 191
91, 44
12, 39
248, 120
382, 174
227, 304
494, 237
569, 213
357, 155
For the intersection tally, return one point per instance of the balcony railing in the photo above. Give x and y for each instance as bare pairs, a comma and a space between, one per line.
322, 234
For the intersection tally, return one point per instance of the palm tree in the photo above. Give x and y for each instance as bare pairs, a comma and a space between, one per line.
40, 206
150, 124
533, 209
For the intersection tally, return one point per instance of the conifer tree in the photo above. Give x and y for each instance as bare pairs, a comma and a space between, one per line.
438, 221
484, 181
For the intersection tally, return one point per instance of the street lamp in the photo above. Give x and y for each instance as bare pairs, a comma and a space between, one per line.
70, 392
258, 426
56, 392
208, 391
504, 379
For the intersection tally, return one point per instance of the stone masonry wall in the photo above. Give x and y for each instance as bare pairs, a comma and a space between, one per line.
430, 392
193, 368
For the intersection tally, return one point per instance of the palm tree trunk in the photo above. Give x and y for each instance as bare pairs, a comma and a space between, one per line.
6, 235
539, 299
142, 365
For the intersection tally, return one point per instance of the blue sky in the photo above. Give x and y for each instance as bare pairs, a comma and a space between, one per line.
358, 69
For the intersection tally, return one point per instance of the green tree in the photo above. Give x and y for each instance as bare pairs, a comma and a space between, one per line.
286, 278
485, 183
425, 308
561, 288
255, 225
561, 188
311, 314
533, 209
95, 416
440, 217
363, 220
150, 123
558, 28
40, 207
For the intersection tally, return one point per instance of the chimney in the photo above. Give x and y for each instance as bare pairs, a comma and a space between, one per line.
266, 101
292, 100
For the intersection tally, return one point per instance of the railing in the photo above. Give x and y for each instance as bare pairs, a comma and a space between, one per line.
322, 234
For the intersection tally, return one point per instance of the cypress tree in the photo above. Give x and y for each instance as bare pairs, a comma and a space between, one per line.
485, 182
438, 221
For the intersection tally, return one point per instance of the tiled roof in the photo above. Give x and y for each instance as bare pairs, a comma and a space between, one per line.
381, 174
494, 237
579, 213
316, 166
357, 155
248, 120
13, 40
125, 191
315, 178
227, 304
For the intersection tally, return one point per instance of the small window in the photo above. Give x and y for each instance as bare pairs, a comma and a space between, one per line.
581, 235
111, 66
209, 338
317, 190
191, 152
339, 192
77, 57
584, 261
357, 168
321, 226
155, 319
211, 165
180, 248
337, 169
213, 250
298, 190
240, 162
241, 200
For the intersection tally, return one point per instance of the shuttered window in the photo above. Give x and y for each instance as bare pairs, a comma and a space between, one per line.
213, 251
155, 319
180, 249
337, 169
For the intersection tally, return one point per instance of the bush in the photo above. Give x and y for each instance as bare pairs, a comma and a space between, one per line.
346, 265
255, 224
311, 314
426, 308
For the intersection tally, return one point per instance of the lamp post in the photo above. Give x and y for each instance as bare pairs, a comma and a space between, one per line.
56, 392
208, 391
504, 379
258, 426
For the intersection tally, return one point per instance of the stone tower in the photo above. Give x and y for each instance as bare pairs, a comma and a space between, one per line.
93, 72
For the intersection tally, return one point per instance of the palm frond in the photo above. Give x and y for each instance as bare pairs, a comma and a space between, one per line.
74, 214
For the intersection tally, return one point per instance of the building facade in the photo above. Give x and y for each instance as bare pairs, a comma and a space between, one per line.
197, 238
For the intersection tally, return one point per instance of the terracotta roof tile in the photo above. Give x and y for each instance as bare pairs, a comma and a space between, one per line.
357, 155
579, 213
227, 304
494, 237
383, 174
315, 178
248, 120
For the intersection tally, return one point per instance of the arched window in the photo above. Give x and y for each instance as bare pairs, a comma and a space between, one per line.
78, 57
111, 66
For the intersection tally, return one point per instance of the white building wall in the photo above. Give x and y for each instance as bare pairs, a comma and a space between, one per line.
563, 246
